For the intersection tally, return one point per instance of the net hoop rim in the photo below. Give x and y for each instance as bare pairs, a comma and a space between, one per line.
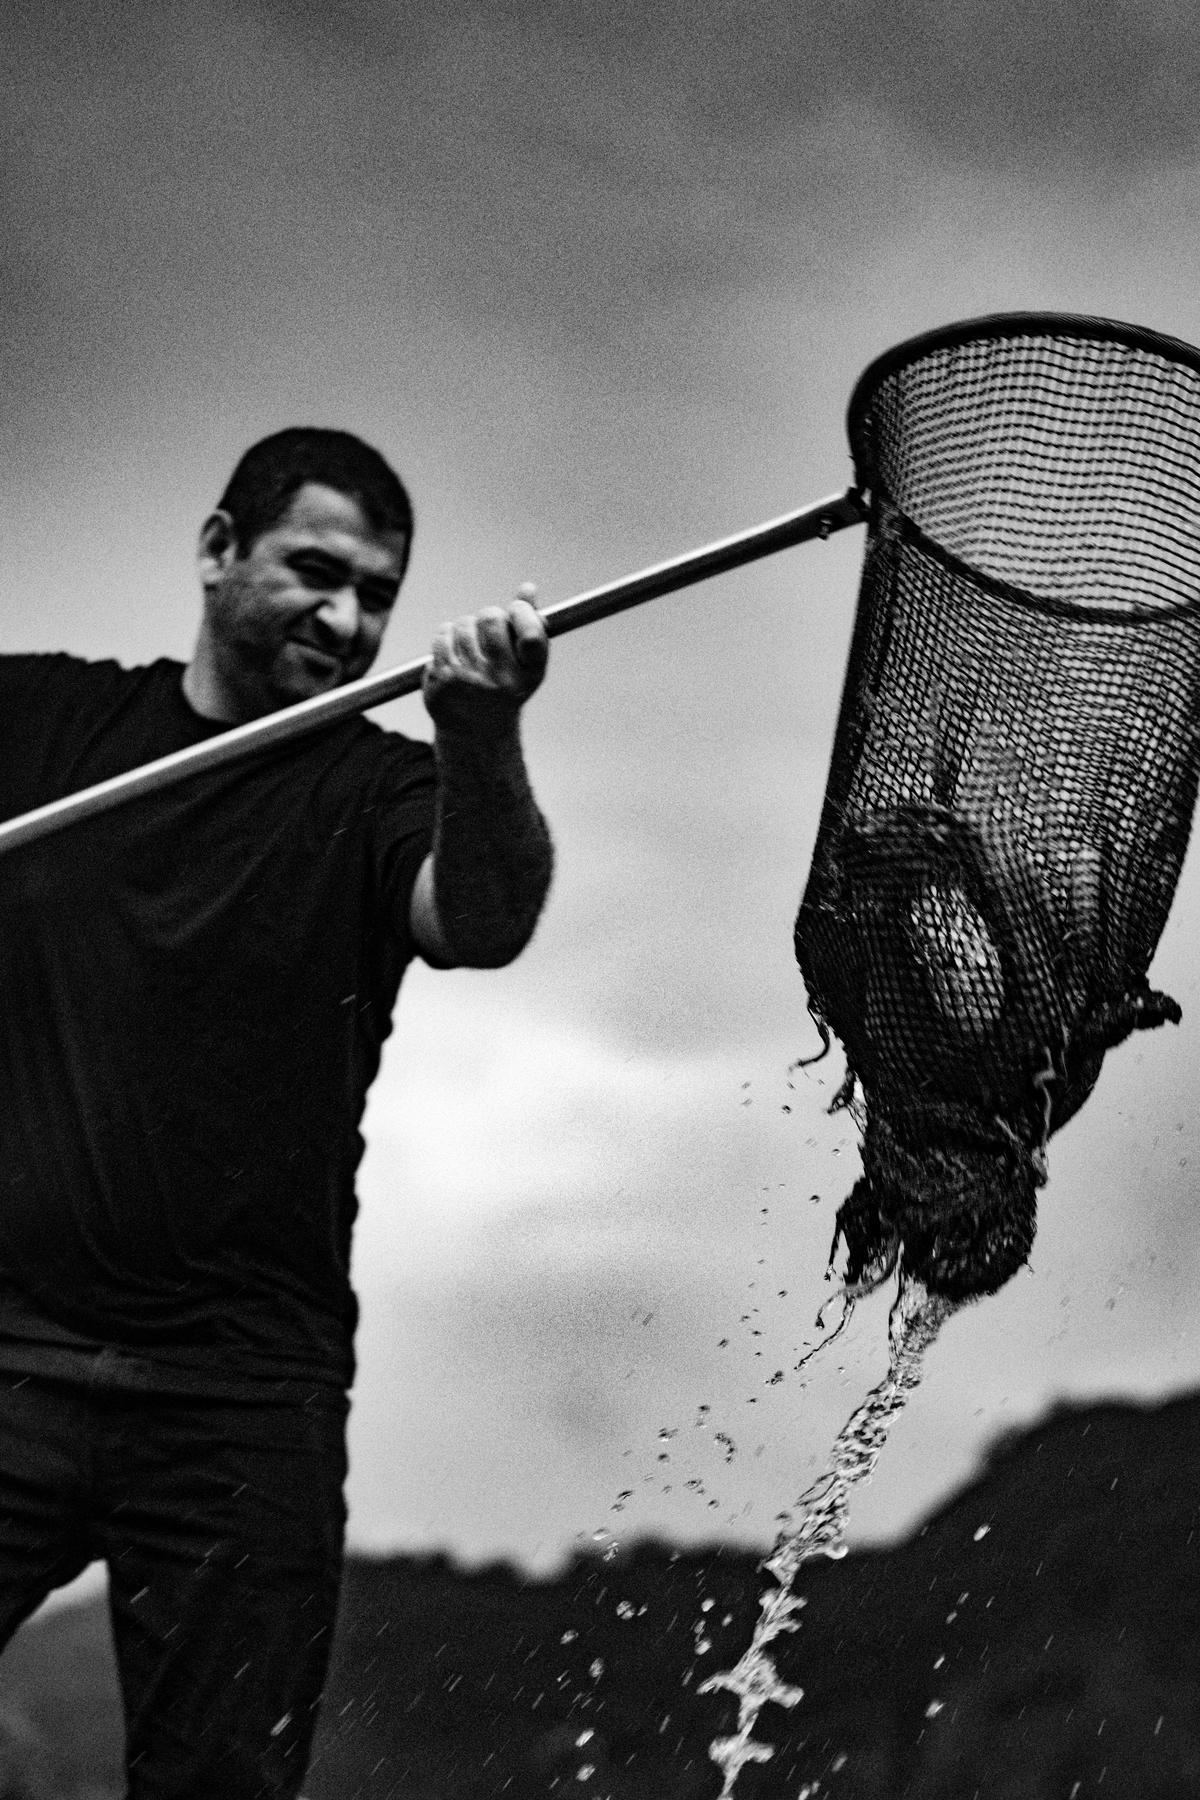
1083, 326
1112, 613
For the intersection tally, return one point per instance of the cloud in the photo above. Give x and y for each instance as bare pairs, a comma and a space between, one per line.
572, 170
1085, 93
498, 1114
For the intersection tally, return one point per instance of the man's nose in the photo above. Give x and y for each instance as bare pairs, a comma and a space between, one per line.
339, 614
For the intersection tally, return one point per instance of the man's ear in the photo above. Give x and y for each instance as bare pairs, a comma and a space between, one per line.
217, 547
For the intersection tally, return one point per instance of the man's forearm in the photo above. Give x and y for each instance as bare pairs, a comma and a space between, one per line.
492, 855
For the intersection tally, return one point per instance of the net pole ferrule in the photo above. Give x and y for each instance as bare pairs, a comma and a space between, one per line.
818, 520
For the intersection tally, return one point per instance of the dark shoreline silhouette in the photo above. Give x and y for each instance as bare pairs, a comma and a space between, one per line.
1038, 1636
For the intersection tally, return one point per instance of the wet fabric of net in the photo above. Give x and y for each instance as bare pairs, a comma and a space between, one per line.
1014, 767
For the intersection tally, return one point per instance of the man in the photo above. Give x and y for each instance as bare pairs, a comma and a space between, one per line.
194, 993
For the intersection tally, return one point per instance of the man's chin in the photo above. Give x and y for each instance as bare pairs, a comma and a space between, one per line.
300, 675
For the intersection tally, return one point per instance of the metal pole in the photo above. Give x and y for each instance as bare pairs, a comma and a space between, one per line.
818, 520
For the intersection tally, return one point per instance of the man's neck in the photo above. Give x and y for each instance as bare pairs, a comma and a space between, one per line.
204, 691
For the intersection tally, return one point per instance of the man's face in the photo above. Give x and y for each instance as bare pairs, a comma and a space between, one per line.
304, 609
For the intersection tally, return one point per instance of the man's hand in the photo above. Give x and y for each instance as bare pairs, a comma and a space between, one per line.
484, 667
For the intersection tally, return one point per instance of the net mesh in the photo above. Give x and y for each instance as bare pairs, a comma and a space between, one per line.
1014, 767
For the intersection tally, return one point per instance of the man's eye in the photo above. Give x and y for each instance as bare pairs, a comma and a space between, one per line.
314, 574
376, 599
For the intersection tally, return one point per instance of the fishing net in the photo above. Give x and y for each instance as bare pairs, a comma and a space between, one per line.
1014, 767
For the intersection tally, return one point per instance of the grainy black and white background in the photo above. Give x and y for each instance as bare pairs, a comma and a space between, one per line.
600, 278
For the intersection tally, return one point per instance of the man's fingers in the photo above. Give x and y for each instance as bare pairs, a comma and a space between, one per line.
531, 650
476, 639
530, 642
497, 637
494, 628
485, 665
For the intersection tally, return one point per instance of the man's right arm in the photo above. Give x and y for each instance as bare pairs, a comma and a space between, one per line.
479, 894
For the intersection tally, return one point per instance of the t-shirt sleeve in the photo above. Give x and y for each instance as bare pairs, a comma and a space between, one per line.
29, 685
403, 825
44, 702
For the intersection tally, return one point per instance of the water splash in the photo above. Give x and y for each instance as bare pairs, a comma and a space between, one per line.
915, 1320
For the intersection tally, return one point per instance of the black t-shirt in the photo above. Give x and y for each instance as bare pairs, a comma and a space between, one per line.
194, 993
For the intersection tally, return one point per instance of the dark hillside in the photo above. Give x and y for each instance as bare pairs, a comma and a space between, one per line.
1040, 1637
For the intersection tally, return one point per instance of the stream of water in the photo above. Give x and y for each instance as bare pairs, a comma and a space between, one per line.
915, 1320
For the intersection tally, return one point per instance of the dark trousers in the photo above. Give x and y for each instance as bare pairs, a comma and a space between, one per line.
221, 1522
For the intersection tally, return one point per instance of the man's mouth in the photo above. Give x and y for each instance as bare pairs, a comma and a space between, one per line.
314, 654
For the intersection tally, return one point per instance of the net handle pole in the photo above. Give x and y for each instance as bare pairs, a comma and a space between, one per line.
818, 520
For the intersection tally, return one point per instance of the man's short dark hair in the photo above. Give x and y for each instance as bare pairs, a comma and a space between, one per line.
272, 472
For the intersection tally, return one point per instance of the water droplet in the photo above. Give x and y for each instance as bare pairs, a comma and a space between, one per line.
585, 1737
981, 1532
568, 1637
586, 1772
914, 1324
934, 1708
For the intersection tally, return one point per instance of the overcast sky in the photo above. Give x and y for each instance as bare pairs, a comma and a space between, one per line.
600, 279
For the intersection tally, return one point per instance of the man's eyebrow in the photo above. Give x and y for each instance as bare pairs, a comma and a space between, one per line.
316, 553
387, 586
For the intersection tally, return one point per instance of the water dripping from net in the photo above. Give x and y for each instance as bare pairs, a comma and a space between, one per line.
916, 1318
